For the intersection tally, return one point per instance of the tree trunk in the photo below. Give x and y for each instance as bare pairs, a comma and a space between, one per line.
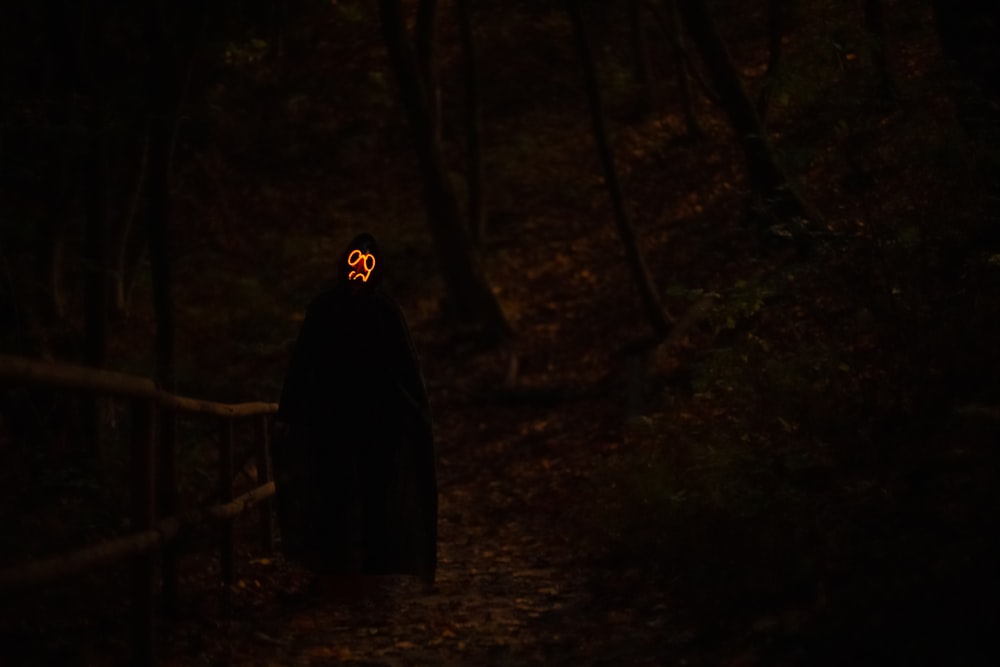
473, 124
279, 17
97, 289
159, 138
168, 86
52, 248
640, 58
96, 256
885, 87
97, 283
684, 68
670, 25
425, 39
969, 33
460, 266
767, 180
160, 130
776, 10
652, 306
65, 20
124, 269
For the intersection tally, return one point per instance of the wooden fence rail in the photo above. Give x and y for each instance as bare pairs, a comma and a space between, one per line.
151, 533
18, 370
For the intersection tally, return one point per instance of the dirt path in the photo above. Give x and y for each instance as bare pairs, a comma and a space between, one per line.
498, 599
510, 590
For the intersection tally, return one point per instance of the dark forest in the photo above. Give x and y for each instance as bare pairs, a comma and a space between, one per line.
705, 294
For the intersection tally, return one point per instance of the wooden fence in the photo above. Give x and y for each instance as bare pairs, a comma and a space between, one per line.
153, 479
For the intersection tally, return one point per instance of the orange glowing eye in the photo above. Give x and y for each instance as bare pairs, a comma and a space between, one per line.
362, 263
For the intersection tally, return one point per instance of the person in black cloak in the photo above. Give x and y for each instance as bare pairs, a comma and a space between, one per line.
354, 461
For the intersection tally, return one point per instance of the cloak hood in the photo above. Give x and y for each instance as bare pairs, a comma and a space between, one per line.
361, 263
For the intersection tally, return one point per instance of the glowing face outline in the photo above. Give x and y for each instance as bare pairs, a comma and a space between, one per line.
362, 264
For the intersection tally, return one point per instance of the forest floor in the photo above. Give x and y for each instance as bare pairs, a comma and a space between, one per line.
787, 482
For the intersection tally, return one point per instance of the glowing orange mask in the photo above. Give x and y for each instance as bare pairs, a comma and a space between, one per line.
362, 264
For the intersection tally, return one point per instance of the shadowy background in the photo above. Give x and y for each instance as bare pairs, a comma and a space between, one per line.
720, 282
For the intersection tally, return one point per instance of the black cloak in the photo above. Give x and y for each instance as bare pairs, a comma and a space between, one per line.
354, 468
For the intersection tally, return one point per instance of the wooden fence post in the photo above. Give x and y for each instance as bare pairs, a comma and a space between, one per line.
227, 564
143, 518
263, 477
166, 500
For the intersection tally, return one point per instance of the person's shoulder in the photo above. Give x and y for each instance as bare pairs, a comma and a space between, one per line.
387, 303
382, 296
340, 298
325, 299
321, 308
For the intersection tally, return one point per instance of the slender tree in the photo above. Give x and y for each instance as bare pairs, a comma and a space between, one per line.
52, 244
473, 124
652, 306
97, 285
685, 69
170, 64
885, 87
640, 58
776, 15
125, 265
669, 23
425, 42
463, 273
158, 126
767, 180
969, 33
64, 21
